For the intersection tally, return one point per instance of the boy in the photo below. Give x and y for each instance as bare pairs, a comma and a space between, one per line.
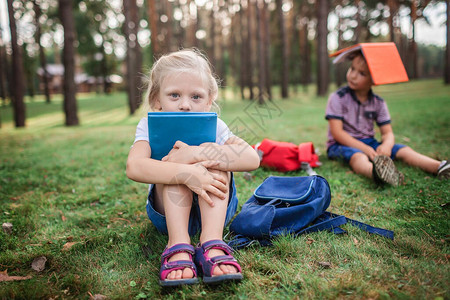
351, 113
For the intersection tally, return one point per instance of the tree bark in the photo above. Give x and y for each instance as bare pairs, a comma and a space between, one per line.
70, 102
447, 47
266, 49
339, 67
42, 59
133, 56
322, 47
153, 15
284, 51
261, 64
412, 55
249, 52
358, 20
393, 7
242, 61
3, 68
17, 83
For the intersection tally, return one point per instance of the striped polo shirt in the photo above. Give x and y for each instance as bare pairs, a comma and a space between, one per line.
358, 118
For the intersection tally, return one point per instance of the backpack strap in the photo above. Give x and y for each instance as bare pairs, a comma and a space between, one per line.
371, 229
326, 221
330, 221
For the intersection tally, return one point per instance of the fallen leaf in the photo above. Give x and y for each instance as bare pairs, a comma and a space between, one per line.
7, 228
67, 246
324, 264
38, 263
355, 241
5, 277
248, 176
97, 296
309, 241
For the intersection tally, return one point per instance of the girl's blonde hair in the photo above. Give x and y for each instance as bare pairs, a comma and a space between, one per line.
183, 61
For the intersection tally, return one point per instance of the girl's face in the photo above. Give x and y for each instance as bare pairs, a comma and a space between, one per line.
183, 92
358, 75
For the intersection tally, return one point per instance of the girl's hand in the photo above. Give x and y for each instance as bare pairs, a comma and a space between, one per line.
384, 150
182, 153
201, 181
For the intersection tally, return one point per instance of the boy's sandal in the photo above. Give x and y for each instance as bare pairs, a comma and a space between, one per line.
207, 264
169, 266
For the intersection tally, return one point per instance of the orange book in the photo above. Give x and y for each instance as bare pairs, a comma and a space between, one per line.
383, 60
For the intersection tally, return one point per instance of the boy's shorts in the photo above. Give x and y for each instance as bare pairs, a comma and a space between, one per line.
338, 151
195, 217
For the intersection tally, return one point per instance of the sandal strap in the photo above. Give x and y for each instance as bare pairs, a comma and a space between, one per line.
177, 248
167, 267
207, 264
217, 244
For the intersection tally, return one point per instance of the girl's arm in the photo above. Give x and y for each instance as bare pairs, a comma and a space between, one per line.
387, 140
234, 155
141, 168
343, 138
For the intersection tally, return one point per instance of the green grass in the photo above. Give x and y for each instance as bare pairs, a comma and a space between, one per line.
60, 185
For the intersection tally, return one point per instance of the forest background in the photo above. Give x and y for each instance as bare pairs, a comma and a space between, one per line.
253, 44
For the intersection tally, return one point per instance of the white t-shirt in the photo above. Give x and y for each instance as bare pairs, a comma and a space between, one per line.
223, 133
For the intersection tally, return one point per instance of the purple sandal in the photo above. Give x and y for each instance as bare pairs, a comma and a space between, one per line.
207, 264
167, 267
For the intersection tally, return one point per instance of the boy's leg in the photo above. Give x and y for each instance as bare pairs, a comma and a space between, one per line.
416, 159
175, 201
213, 221
360, 164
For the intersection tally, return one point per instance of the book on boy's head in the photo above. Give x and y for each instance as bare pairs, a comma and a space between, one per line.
383, 60
192, 128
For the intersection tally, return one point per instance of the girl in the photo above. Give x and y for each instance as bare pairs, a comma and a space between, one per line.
189, 189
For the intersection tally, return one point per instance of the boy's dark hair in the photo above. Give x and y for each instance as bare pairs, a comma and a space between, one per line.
355, 54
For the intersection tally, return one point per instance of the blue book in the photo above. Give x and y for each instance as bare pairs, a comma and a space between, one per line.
192, 128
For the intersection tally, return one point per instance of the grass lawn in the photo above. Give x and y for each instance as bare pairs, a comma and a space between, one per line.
66, 193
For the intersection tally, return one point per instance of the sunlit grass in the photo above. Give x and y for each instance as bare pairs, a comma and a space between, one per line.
62, 185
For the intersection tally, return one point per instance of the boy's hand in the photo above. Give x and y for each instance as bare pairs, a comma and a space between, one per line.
370, 152
203, 181
182, 153
384, 150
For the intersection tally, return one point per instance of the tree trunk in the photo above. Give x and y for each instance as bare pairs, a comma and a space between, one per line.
42, 59
413, 45
249, 52
212, 51
169, 35
153, 15
266, 49
447, 47
261, 65
303, 46
68, 22
284, 51
357, 18
17, 72
242, 61
392, 4
339, 67
133, 58
191, 28
3, 68
322, 47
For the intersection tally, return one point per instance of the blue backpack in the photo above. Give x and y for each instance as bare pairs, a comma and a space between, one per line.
289, 206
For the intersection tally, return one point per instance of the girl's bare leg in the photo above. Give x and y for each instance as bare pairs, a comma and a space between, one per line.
213, 220
175, 202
